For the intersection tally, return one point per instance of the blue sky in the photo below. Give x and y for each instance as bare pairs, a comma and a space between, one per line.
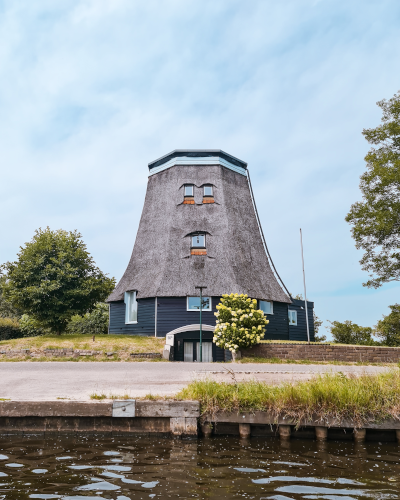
91, 91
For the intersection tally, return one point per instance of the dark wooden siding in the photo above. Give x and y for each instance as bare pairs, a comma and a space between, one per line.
299, 332
278, 326
172, 314
145, 324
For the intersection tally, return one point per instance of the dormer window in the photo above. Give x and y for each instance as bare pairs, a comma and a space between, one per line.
208, 194
199, 241
189, 194
198, 244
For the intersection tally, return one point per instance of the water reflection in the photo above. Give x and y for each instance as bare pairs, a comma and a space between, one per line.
85, 468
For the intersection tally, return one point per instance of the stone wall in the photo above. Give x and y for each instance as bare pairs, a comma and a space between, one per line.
326, 352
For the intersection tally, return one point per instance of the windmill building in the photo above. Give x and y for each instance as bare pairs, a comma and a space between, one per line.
200, 227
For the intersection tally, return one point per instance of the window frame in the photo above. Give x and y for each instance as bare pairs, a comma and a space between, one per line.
194, 236
128, 298
209, 309
192, 188
295, 313
204, 191
267, 302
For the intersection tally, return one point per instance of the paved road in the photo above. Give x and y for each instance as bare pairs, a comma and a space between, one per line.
77, 381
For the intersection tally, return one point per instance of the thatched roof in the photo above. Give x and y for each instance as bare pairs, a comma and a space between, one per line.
161, 263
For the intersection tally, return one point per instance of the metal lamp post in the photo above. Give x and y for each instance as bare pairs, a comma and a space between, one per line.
201, 333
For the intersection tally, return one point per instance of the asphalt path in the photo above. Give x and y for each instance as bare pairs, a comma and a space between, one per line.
49, 381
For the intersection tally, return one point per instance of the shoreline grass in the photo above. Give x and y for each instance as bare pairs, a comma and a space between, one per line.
363, 399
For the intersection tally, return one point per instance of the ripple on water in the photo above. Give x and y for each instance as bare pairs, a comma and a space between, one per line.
3, 457
3, 474
40, 471
118, 468
101, 485
14, 465
111, 453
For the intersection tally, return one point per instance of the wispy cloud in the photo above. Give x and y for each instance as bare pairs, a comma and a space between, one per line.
91, 91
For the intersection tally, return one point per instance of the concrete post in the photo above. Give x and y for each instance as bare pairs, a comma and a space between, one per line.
321, 433
359, 435
244, 431
284, 432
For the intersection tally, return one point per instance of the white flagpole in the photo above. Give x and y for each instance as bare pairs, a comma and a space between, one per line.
304, 283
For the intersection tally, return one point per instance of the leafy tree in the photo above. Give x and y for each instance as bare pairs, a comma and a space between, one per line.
388, 328
376, 220
93, 323
239, 323
351, 333
54, 279
6, 309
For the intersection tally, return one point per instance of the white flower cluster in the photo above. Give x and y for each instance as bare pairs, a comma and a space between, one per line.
239, 323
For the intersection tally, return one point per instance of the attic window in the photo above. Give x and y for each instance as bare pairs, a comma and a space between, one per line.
199, 240
208, 194
189, 190
189, 196
130, 307
266, 307
198, 244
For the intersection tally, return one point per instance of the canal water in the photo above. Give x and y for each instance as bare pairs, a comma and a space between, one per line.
96, 467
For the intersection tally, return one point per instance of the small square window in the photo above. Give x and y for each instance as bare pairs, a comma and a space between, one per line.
208, 190
266, 307
292, 317
189, 190
199, 241
193, 304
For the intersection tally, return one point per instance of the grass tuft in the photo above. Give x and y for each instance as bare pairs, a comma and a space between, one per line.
363, 399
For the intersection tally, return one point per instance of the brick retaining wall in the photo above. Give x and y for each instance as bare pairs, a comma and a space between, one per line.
321, 352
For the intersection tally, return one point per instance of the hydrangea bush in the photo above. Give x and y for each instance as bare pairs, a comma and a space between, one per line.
239, 323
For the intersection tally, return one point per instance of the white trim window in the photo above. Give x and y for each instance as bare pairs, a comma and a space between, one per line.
292, 317
189, 190
131, 307
267, 307
199, 240
208, 191
193, 304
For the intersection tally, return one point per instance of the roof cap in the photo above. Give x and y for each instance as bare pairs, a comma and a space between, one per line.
197, 153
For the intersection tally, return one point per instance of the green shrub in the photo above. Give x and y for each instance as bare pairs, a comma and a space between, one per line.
351, 333
31, 328
93, 323
10, 329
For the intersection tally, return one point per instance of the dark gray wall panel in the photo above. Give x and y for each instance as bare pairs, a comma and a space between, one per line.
172, 314
145, 324
278, 326
299, 332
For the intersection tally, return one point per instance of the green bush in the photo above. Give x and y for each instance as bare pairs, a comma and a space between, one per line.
31, 328
351, 333
10, 329
94, 323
